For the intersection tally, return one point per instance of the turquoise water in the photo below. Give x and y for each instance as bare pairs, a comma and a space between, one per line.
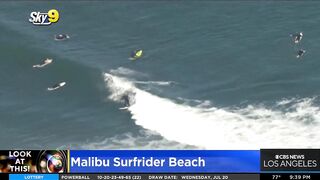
214, 75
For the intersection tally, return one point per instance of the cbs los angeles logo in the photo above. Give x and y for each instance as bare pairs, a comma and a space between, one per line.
44, 19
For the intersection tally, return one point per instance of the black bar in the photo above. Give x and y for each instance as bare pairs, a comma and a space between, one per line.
150, 176
4, 176
290, 176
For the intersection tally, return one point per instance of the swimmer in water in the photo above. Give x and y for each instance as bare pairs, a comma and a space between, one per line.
300, 53
297, 37
44, 63
61, 37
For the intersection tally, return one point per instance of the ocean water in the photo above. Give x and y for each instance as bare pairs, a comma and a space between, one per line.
214, 75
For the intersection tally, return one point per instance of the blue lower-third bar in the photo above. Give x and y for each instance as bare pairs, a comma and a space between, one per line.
165, 161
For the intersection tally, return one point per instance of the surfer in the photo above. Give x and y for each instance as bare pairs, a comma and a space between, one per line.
297, 37
126, 100
56, 86
136, 54
61, 37
300, 53
44, 63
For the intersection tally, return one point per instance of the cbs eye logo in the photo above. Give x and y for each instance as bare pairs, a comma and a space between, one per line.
44, 19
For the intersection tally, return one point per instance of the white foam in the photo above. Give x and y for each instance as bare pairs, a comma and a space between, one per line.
129, 73
252, 127
159, 83
197, 102
126, 72
144, 140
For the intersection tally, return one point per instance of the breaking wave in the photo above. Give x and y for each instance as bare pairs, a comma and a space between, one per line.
292, 123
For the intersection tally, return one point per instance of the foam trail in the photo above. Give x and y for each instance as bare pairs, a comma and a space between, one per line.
213, 128
159, 83
125, 72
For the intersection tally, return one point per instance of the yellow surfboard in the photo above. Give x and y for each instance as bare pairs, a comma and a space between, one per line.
137, 54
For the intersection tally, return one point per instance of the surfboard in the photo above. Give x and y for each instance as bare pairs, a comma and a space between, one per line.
51, 89
136, 55
123, 108
46, 62
57, 87
37, 66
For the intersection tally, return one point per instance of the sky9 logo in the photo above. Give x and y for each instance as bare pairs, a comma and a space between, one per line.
44, 19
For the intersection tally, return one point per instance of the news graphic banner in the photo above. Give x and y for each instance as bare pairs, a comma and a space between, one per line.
273, 164
166, 161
